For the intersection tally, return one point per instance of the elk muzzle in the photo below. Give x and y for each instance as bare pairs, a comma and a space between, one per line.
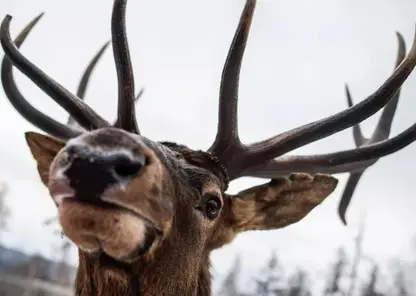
111, 196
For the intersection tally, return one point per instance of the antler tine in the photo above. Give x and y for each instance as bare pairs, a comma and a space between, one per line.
126, 118
40, 120
139, 95
227, 131
83, 83
383, 127
71, 103
82, 86
381, 132
346, 197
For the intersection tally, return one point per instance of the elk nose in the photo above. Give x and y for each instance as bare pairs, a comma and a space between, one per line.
91, 171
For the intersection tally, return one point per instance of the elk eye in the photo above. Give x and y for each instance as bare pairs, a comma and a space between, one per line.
212, 207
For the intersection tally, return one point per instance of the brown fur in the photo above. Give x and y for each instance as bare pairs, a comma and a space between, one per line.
176, 182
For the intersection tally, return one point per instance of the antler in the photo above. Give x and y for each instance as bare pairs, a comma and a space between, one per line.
40, 120
73, 104
328, 163
260, 159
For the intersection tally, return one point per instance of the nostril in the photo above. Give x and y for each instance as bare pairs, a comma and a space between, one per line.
128, 170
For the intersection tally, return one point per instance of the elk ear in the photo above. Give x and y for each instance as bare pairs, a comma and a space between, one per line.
43, 149
279, 203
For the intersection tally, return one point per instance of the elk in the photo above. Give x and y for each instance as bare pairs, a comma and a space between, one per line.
145, 215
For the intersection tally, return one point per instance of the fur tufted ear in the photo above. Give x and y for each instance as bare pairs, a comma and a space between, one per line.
279, 203
44, 149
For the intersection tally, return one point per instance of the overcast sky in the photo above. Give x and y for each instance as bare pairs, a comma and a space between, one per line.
299, 55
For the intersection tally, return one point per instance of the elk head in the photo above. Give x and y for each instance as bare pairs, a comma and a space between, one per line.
139, 209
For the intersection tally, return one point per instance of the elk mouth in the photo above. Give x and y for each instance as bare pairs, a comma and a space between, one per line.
99, 203
116, 234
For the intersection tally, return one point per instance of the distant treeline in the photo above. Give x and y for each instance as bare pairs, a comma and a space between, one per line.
356, 275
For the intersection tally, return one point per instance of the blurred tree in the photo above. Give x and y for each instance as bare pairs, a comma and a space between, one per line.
35, 268
229, 285
64, 270
63, 276
358, 256
270, 282
4, 209
412, 271
298, 285
336, 273
400, 284
370, 288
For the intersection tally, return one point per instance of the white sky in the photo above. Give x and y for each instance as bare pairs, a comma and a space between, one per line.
299, 55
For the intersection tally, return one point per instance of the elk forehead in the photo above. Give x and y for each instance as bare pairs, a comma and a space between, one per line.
110, 139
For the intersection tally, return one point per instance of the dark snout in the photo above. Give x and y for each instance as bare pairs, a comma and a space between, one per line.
91, 170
